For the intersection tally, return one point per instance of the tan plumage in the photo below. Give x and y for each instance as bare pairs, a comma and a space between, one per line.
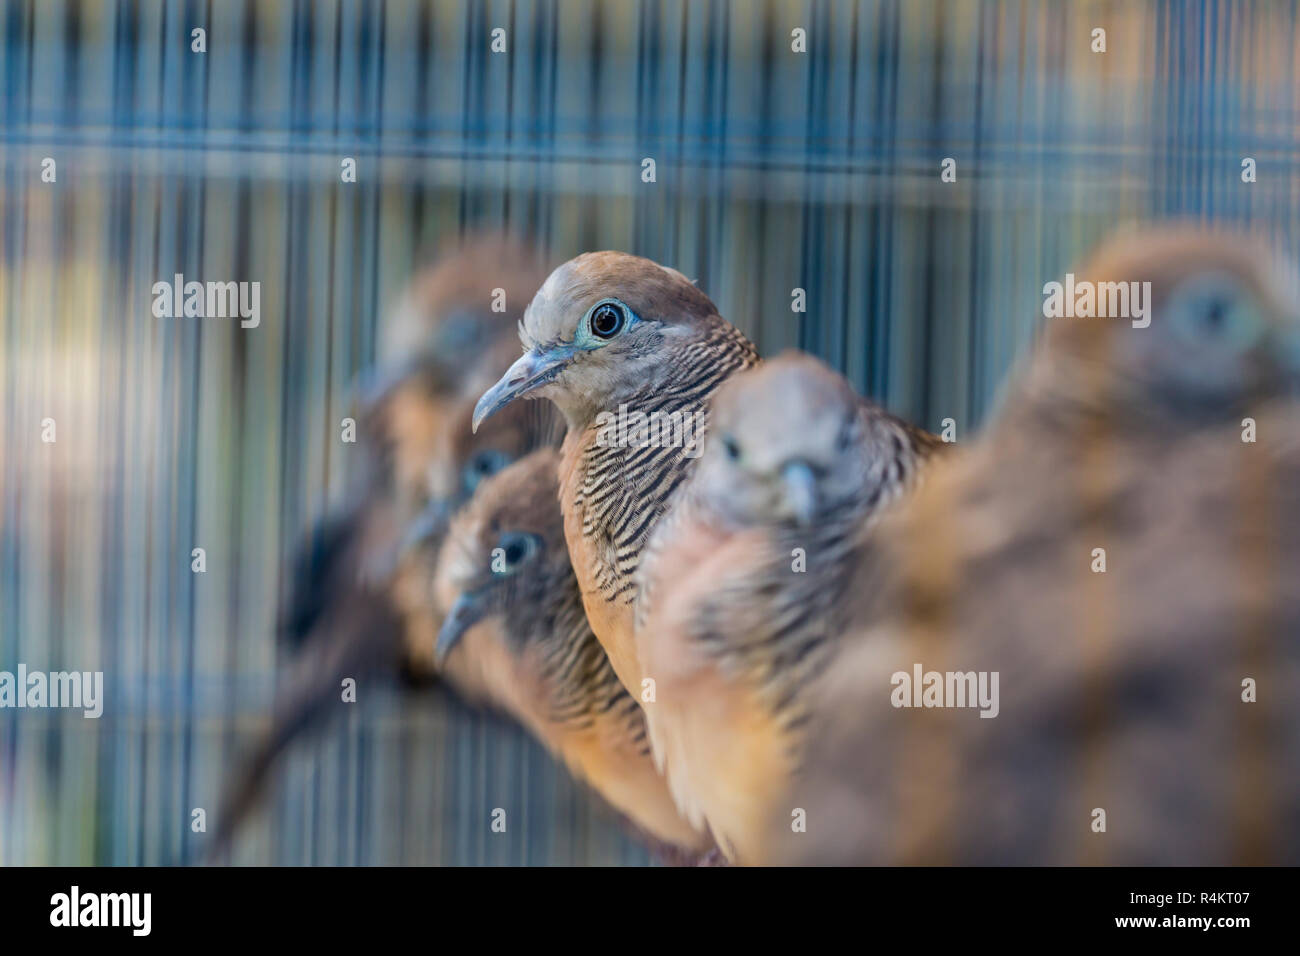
1119, 690
744, 582
516, 636
669, 351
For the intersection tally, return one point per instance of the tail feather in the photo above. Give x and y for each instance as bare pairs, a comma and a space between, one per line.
366, 642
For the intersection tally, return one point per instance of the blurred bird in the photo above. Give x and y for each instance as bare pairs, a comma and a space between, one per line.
515, 635
347, 613
447, 339
1106, 575
455, 473
370, 618
744, 582
469, 298
1220, 339
607, 338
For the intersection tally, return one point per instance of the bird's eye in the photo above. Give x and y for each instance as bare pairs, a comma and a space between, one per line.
603, 322
461, 329
607, 320
513, 549
1215, 310
483, 464
848, 435
730, 446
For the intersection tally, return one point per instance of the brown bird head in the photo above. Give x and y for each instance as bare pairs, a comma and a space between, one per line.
791, 441
433, 458
450, 336
504, 558
603, 329
472, 295
465, 458
1211, 327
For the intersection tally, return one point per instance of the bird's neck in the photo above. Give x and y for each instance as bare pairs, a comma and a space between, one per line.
626, 462
683, 381
811, 567
619, 474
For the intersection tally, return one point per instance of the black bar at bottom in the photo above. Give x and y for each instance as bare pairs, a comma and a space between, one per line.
329, 907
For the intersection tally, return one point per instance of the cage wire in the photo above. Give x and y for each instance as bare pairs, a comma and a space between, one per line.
775, 171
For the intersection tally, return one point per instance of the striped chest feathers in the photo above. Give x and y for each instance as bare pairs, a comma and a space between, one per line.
612, 497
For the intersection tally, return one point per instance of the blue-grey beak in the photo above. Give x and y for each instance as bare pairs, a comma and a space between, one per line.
428, 525
464, 614
374, 387
532, 370
1290, 347
800, 490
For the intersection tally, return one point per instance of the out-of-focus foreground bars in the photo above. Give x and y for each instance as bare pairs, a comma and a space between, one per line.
775, 171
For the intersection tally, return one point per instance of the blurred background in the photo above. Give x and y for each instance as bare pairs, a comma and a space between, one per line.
775, 170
